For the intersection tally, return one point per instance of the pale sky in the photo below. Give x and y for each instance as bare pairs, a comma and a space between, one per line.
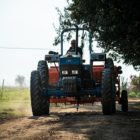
28, 24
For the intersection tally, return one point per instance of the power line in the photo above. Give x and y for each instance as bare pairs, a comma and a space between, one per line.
16, 48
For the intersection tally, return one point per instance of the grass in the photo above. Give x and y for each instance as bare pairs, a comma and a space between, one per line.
14, 93
14, 102
134, 95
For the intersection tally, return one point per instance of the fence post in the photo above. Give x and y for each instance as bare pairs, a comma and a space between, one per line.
2, 89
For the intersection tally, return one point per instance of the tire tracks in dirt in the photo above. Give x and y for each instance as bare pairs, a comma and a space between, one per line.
65, 123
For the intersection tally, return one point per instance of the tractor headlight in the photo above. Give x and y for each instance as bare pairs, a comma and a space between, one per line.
64, 72
75, 72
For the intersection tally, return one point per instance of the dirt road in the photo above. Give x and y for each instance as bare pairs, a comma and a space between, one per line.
65, 123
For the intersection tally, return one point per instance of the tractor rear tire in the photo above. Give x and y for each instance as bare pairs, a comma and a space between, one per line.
37, 100
106, 90
110, 64
44, 79
43, 72
124, 101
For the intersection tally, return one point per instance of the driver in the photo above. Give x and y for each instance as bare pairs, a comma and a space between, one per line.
72, 48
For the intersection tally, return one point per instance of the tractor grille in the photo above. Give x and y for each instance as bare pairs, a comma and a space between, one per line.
70, 85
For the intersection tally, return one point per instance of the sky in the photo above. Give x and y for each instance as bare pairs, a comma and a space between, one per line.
29, 24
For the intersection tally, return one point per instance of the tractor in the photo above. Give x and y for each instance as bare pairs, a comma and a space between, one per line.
70, 80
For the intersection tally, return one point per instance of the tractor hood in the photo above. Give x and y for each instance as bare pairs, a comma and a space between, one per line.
70, 60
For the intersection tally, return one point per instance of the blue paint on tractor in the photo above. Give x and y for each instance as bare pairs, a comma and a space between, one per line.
70, 61
83, 92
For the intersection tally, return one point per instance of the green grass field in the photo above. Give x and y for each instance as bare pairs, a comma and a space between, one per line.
14, 93
14, 102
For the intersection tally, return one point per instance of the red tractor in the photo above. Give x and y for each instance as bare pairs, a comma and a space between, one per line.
75, 82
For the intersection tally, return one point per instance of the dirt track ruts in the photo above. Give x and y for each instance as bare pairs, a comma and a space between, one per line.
65, 123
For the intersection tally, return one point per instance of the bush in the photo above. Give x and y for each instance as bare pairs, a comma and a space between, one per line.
132, 94
138, 94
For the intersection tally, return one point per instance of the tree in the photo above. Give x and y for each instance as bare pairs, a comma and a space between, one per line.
20, 80
115, 25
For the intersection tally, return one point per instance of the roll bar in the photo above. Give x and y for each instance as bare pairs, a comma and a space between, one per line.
77, 29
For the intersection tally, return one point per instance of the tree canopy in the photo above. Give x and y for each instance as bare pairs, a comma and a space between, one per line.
115, 25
